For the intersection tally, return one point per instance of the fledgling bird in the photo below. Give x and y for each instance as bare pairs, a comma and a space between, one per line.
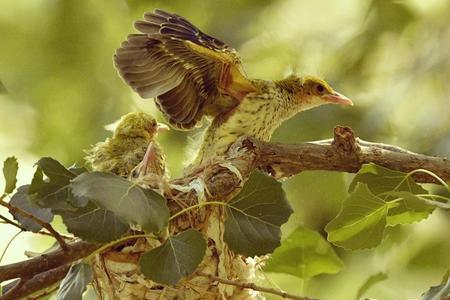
193, 75
127, 148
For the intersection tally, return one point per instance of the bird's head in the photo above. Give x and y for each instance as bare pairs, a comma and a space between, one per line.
138, 124
311, 91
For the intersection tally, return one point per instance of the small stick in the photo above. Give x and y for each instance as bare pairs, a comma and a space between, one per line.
46, 225
11, 222
252, 286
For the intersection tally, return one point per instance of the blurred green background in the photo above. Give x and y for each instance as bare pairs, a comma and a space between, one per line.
58, 88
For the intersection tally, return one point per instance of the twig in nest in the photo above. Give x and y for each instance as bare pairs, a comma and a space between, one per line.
252, 286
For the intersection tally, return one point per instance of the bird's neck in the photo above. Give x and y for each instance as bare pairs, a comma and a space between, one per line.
258, 115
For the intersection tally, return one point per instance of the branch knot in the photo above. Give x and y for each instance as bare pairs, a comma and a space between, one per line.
345, 142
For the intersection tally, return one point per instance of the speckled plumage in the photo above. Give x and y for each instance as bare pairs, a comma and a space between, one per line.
192, 75
260, 113
121, 153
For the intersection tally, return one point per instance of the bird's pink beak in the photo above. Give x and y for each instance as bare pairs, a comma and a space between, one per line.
337, 98
148, 158
162, 127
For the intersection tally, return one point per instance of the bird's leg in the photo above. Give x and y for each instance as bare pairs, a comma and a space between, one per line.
149, 157
141, 170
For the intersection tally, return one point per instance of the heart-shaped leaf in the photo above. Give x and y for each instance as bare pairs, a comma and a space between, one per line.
176, 258
361, 222
255, 216
125, 199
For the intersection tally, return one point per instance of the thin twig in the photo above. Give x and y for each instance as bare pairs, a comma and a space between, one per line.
46, 233
44, 293
252, 286
8, 244
46, 225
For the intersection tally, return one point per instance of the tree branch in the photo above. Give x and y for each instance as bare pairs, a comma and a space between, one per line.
47, 261
343, 153
252, 286
23, 287
346, 153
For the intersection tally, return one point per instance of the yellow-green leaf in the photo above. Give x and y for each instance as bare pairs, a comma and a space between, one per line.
10, 167
361, 222
305, 254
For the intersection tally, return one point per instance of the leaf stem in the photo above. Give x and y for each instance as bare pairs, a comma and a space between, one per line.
15, 224
116, 242
147, 235
252, 286
432, 175
46, 225
434, 196
197, 206
8, 244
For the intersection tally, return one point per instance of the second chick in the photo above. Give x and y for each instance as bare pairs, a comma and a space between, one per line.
132, 139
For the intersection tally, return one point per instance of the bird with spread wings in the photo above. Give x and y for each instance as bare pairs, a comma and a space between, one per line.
193, 76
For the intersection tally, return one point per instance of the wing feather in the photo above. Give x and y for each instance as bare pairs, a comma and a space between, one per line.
181, 66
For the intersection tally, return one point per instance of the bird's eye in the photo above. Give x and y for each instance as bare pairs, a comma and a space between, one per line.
320, 88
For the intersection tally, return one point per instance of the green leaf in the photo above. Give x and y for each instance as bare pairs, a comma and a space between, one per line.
437, 292
305, 254
361, 222
37, 182
94, 224
255, 216
125, 199
408, 209
74, 284
10, 167
55, 171
176, 258
21, 200
380, 180
77, 170
54, 191
371, 281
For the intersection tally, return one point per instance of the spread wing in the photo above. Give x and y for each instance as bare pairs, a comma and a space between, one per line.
190, 73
